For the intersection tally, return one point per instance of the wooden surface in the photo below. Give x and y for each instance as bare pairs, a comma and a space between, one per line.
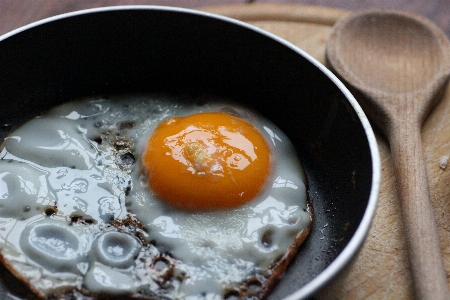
380, 271
16, 13
400, 62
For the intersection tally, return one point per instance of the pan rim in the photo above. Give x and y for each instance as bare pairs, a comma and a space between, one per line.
358, 238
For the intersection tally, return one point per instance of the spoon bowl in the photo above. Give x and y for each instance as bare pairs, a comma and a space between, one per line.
399, 62
420, 59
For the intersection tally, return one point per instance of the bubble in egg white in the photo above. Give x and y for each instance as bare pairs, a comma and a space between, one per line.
80, 163
56, 246
116, 249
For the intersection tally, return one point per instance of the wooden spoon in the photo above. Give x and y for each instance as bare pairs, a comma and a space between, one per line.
399, 63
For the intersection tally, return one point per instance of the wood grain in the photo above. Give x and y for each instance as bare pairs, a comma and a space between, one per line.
16, 13
436, 10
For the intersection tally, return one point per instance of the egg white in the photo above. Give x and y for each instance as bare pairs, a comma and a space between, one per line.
70, 179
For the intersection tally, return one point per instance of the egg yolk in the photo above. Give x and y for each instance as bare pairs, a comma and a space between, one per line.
207, 161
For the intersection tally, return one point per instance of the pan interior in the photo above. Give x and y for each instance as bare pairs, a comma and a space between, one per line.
151, 50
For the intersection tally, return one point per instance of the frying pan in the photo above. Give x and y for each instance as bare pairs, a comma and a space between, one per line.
133, 49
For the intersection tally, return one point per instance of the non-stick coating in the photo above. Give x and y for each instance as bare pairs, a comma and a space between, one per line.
145, 50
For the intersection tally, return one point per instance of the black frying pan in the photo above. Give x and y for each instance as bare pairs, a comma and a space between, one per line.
149, 49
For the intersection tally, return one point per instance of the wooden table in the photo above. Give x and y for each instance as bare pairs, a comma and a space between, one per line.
380, 271
15, 13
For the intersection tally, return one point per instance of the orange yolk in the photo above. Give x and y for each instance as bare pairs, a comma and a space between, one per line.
207, 161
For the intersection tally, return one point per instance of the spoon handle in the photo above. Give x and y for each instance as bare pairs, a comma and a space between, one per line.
425, 258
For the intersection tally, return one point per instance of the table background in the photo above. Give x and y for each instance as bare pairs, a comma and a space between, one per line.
380, 271
16, 13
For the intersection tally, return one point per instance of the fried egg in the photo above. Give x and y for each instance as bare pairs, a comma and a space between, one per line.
150, 196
